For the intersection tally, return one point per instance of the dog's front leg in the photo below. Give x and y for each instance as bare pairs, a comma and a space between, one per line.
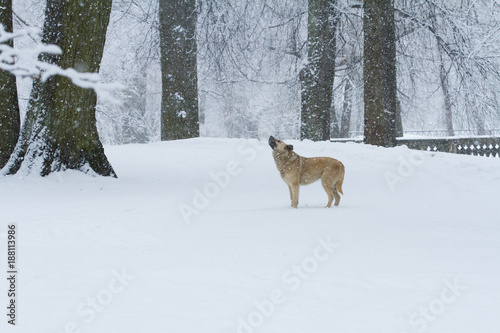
290, 190
294, 193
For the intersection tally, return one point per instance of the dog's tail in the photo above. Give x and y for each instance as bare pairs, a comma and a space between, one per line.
338, 185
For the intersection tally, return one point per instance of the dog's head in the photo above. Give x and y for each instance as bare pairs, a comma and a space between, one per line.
279, 145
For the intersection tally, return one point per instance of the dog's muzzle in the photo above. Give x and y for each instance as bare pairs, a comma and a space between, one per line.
272, 142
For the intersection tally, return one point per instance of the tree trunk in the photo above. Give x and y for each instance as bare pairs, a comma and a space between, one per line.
443, 77
179, 106
10, 120
379, 73
60, 129
399, 120
346, 110
317, 76
448, 114
334, 123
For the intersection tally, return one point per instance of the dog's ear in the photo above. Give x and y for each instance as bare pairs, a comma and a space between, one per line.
288, 147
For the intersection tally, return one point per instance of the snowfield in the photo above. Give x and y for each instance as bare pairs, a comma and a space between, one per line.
198, 236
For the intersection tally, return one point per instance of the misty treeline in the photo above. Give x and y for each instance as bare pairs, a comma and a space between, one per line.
251, 53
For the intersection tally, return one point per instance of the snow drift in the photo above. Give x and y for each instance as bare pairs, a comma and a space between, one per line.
198, 236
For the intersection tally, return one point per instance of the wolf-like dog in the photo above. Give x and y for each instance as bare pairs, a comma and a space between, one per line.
297, 170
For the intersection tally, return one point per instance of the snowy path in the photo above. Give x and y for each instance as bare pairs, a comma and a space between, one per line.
413, 247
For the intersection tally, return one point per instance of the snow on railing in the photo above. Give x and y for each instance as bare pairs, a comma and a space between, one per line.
476, 146
432, 134
488, 146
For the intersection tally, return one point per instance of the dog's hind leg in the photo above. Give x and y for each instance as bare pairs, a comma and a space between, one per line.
329, 191
336, 195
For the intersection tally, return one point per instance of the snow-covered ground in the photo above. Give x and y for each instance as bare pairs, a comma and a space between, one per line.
198, 236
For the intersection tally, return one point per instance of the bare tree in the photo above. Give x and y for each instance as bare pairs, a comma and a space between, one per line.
319, 72
349, 69
250, 54
380, 89
179, 109
132, 59
452, 47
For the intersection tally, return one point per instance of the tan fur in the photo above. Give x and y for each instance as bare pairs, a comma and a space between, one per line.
297, 170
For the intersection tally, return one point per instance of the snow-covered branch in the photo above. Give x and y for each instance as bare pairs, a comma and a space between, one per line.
26, 63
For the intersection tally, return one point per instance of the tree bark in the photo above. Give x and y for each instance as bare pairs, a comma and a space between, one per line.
448, 113
379, 73
179, 107
346, 110
10, 121
60, 130
399, 120
334, 123
443, 76
318, 75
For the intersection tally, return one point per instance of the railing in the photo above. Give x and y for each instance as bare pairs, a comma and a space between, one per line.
437, 133
477, 146
457, 133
